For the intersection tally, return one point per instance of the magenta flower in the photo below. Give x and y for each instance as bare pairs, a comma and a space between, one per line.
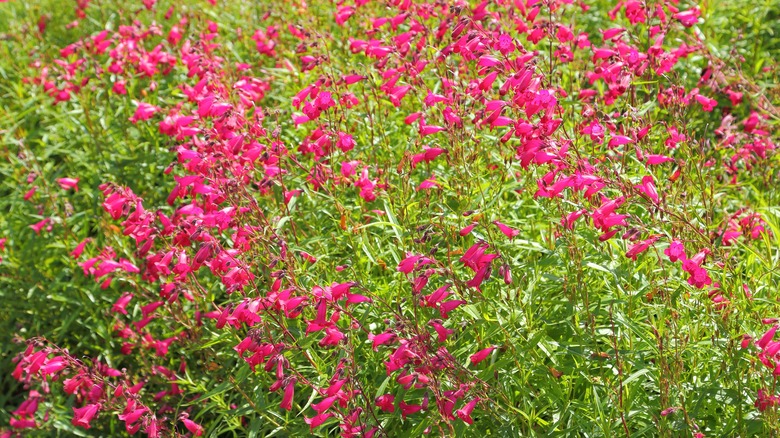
707, 104
76, 253
426, 130
481, 355
429, 183
698, 275
767, 337
640, 247
23, 423
144, 111
441, 331
467, 229
325, 404
30, 193
647, 187
317, 420
464, 413
506, 230
619, 140
386, 402
289, 393
82, 416
119, 87
194, 428
675, 251
504, 44
654, 159
381, 339
132, 415
407, 409
668, 411
688, 18
38, 226
765, 400
69, 184
448, 306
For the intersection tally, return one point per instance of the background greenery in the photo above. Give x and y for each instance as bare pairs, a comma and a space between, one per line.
591, 342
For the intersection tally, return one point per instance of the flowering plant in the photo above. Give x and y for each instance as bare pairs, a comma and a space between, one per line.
395, 218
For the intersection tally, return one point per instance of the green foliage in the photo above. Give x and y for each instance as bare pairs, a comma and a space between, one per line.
588, 342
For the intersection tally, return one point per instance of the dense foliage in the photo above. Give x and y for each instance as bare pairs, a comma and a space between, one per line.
389, 218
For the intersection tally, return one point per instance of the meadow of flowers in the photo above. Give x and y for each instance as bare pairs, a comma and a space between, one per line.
391, 218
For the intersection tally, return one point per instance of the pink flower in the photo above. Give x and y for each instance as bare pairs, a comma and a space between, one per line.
698, 275
596, 132
767, 337
647, 187
386, 402
464, 413
688, 18
407, 265
343, 13
564, 34
572, 217
429, 183
668, 411
603, 216
53, 366
144, 111
381, 339
120, 304
348, 168
153, 428
325, 404
504, 44
195, 428
21, 423
317, 420
300, 119
619, 140
467, 229
131, 415
407, 409
765, 401
481, 355
351, 79
508, 232
448, 306
441, 331
82, 416
38, 226
432, 99
357, 298
289, 393
426, 130
676, 251
640, 247
324, 101
707, 104
653, 159
345, 142
428, 155
308, 257
119, 87
30, 193
76, 253
332, 337
69, 183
